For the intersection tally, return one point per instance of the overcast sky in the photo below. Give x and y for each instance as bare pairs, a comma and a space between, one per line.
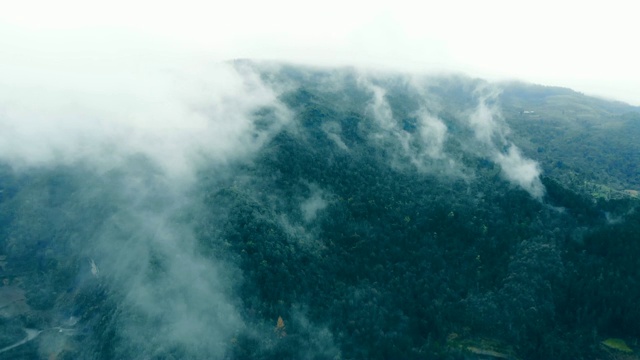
589, 46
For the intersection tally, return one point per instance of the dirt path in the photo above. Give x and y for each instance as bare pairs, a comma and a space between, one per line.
31, 334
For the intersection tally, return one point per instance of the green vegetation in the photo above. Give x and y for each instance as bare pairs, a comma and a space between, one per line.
335, 242
583, 141
617, 344
483, 347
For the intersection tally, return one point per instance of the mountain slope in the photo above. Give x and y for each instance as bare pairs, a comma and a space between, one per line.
372, 216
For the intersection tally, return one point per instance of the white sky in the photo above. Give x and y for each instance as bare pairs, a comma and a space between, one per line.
591, 46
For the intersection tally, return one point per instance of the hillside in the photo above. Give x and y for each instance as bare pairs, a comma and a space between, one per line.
358, 215
587, 142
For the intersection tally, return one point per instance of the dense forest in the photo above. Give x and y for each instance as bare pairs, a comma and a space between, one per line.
388, 216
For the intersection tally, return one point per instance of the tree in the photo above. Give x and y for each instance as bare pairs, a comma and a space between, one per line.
280, 328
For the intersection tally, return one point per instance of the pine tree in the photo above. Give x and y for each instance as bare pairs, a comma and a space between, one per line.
280, 328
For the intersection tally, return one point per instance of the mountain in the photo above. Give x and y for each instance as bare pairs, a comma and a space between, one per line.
333, 213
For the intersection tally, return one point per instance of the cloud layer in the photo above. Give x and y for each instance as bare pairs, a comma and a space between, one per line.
146, 130
149, 130
491, 132
171, 116
421, 136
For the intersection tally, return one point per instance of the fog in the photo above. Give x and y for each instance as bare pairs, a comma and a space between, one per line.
148, 130
578, 45
314, 203
174, 298
147, 106
491, 130
422, 147
147, 127
175, 116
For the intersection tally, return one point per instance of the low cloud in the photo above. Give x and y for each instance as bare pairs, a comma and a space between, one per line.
333, 130
149, 129
148, 257
100, 116
521, 171
146, 129
313, 204
422, 140
485, 122
491, 131
434, 134
379, 106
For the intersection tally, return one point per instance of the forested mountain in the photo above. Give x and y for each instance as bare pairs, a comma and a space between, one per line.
358, 215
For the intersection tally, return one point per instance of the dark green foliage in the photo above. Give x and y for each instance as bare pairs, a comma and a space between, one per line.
391, 262
403, 259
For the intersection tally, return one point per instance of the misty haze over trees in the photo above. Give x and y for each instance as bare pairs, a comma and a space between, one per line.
271, 211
